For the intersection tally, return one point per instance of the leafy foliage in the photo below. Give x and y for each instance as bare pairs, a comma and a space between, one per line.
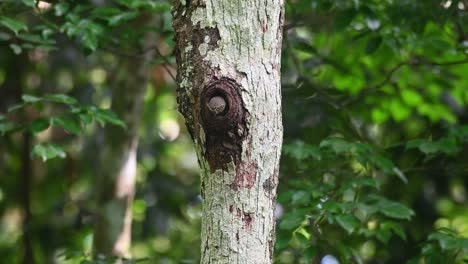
82, 258
374, 115
338, 201
444, 245
72, 121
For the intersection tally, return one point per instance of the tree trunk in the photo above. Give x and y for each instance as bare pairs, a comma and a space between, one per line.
228, 56
117, 174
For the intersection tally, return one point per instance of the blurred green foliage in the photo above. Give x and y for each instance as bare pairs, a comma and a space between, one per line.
374, 102
375, 134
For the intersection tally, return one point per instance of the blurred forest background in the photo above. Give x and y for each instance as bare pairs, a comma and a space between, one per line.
374, 166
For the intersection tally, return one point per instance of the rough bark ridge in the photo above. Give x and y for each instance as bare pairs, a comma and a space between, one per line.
228, 55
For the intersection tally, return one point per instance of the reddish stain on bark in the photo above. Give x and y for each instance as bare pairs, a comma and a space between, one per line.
248, 220
264, 26
246, 176
270, 248
231, 208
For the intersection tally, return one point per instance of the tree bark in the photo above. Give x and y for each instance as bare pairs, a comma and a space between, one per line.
117, 174
228, 57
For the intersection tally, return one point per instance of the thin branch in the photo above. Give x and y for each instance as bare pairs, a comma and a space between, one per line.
398, 66
141, 54
416, 62
389, 75
166, 62
449, 63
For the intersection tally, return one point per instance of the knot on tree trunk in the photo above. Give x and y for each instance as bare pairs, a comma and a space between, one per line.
223, 119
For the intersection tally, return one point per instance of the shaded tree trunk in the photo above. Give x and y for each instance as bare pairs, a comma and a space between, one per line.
26, 182
118, 167
14, 85
228, 56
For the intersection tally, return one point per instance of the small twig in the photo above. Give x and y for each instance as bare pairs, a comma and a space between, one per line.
166, 62
449, 63
389, 76
141, 54
398, 66
416, 62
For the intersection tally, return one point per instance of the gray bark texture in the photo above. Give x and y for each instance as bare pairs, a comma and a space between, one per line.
117, 173
228, 56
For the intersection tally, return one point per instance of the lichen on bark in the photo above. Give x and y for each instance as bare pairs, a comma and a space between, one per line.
231, 49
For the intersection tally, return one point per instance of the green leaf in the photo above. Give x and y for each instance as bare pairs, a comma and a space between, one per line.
396, 210
310, 254
445, 145
61, 98
15, 107
105, 12
30, 3
338, 145
446, 242
16, 48
343, 19
36, 39
425, 146
446, 230
383, 235
301, 151
347, 222
106, 116
344, 249
359, 183
145, 4
373, 44
27, 46
6, 127
122, 17
411, 97
30, 98
4, 36
135, 260
293, 219
301, 198
379, 115
305, 46
301, 238
67, 123
400, 175
46, 33
90, 41
12, 24
282, 240
61, 8
394, 227
85, 118
39, 125
86, 30
160, 6
429, 249
48, 151
383, 163
391, 208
